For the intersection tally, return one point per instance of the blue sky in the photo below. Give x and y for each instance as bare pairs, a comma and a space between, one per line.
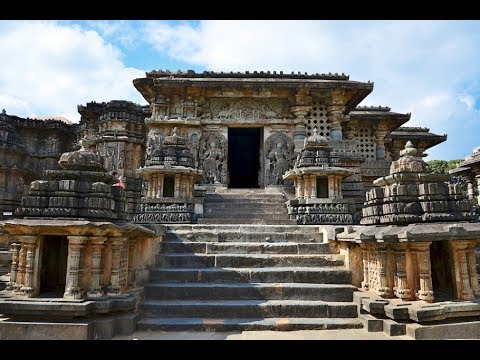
428, 68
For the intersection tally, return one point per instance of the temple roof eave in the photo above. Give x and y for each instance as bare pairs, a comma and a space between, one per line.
148, 87
45, 226
172, 170
415, 232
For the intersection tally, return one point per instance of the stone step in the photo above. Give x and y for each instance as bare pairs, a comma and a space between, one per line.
243, 205
265, 275
249, 309
248, 260
244, 211
245, 228
244, 237
257, 221
256, 324
248, 291
244, 247
245, 198
246, 216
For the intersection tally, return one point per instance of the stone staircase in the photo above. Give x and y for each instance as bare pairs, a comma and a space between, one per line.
246, 206
247, 277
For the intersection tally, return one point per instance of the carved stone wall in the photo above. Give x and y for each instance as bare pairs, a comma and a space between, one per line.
28, 147
279, 158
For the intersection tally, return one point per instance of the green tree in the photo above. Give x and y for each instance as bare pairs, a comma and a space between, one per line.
443, 166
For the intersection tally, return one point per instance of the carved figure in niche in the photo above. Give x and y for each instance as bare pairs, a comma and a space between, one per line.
212, 156
212, 163
279, 162
279, 156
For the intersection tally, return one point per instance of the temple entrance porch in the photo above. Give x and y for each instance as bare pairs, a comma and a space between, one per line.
244, 153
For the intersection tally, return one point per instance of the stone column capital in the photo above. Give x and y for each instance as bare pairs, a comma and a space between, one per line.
27, 239
76, 240
98, 240
460, 244
420, 246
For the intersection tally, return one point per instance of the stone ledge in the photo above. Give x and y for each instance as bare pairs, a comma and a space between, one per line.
66, 308
101, 328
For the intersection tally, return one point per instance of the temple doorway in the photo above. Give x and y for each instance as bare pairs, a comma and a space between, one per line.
441, 265
54, 265
244, 157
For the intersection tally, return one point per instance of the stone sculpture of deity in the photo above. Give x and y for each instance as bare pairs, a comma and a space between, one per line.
212, 163
279, 162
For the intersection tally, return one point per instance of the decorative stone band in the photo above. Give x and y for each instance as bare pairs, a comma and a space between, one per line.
163, 217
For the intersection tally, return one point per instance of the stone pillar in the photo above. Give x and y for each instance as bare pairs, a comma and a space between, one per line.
306, 186
472, 267
150, 187
131, 258
177, 185
313, 186
183, 188
95, 289
478, 188
28, 287
190, 186
401, 289
470, 192
160, 186
383, 290
300, 187
365, 253
380, 142
331, 186
299, 135
462, 278
114, 285
154, 186
422, 250
11, 285
22, 260
335, 114
75, 245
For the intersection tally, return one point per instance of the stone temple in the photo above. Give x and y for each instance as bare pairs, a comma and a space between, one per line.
233, 201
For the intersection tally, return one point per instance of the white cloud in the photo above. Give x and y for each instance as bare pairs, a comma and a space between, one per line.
468, 100
422, 67
49, 68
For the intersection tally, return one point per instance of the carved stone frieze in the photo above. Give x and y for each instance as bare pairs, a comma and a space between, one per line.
248, 108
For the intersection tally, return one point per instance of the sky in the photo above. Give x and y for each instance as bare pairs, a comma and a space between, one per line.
427, 68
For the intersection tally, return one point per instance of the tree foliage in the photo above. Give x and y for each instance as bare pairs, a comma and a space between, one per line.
443, 166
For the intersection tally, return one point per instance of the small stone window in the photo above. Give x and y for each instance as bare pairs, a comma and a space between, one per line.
322, 187
168, 186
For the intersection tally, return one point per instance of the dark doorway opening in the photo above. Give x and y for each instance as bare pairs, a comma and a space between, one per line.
244, 157
168, 186
54, 265
322, 187
441, 264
